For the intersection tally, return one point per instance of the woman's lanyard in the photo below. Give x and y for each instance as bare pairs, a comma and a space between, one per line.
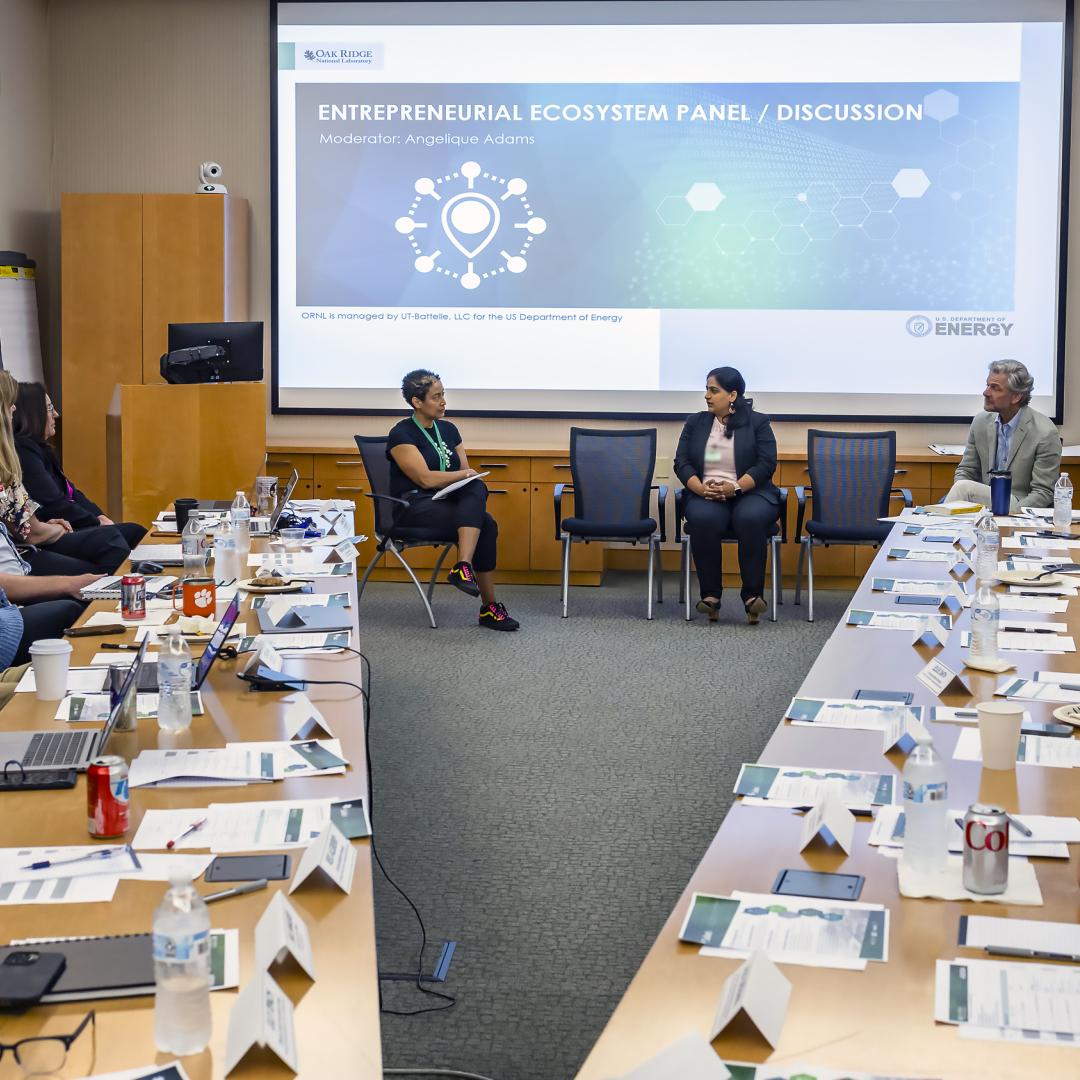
439, 447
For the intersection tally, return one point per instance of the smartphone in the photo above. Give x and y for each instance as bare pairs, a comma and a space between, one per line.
26, 975
905, 697
820, 885
917, 598
274, 867
1035, 727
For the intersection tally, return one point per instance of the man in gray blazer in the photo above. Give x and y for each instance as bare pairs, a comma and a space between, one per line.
1009, 434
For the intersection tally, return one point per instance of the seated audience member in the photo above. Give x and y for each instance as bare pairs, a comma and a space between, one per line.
425, 455
725, 459
1009, 434
32, 608
58, 498
56, 549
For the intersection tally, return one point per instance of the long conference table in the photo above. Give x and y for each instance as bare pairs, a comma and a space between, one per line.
880, 1020
337, 1015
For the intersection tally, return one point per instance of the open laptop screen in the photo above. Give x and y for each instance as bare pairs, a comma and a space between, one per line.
206, 661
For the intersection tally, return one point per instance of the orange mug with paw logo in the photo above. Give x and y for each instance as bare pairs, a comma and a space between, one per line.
198, 596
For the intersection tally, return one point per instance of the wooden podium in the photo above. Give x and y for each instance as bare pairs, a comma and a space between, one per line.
200, 441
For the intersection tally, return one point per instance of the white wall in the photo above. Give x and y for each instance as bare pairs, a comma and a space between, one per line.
143, 90
26, 140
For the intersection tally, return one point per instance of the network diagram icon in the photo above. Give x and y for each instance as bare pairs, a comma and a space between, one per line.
486, 220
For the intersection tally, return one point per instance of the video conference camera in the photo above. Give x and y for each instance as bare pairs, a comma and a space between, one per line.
209, 172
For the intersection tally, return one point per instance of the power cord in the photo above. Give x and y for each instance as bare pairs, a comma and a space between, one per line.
449, 999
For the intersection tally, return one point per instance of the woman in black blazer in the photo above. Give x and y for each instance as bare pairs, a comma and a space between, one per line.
725, 460
34, 423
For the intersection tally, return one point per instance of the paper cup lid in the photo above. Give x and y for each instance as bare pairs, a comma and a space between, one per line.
1000, 708
50, 647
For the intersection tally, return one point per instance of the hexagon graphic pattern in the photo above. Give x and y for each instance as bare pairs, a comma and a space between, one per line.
704, 197
911, 183
941, 105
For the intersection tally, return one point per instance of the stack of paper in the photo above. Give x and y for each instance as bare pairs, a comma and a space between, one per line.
1020, 937
1033, 750
859, 714
246, 826
792, 786
1042, 689
888, 620
231, 765
1018, 635
922, 555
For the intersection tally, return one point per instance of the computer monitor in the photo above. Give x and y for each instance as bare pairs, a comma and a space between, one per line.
242, 342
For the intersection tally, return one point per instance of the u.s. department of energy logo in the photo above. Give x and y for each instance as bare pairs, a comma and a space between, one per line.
919, 326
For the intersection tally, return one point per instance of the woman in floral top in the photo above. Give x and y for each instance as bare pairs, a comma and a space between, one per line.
56, 548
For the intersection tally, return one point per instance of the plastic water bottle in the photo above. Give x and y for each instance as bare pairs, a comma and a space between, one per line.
191, 543
226, 557
926, 809
987, 543
241, 521
1063, 495
985, 619
181, 969
174, 683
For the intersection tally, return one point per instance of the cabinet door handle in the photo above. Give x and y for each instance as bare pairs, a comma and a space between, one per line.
342, 487
497, 491
900, 472
567, 466
354, 461
494, 465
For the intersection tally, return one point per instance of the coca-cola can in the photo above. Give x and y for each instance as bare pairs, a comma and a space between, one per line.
986, 849
133, 596
107, 797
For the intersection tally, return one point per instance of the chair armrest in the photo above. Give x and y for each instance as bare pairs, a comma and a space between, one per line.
680, 499
661, 509
800, 496
905, 492
559, 489
783, 514
388, 498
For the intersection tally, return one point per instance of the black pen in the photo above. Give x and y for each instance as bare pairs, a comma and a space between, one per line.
1034, 954
117, 645
1028, 630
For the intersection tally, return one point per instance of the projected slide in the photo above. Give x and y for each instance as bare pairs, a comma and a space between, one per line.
860, 214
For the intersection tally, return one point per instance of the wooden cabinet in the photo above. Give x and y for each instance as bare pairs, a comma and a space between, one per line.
130, 265
510, 504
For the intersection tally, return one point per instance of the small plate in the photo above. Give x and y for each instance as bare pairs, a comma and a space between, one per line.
1026, 577
1068, 714
252, 585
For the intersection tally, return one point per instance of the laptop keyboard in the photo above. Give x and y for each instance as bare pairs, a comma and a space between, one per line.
55, 748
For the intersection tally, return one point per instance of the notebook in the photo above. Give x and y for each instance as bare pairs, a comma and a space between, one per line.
112, 967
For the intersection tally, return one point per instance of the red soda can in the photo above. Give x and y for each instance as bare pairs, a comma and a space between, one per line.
107, 797
986, 849
133, 596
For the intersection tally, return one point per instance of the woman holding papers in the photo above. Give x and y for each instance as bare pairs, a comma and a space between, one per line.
56, 548
426, 455
726, 458
60, 500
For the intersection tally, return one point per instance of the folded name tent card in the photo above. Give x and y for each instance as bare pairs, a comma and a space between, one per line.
304, 721
332, 854
261, 1016
941, 679
961, 569
345, 551
689, 1058
930, 632
830, 819
304, 618
280, 934
758, 990
903, 729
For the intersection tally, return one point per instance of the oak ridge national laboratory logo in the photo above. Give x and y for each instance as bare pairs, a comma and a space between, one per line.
919, 325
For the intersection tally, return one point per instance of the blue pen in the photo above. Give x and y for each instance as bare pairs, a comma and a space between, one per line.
44, 864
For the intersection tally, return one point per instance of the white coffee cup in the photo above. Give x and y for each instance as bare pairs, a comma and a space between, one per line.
999, 732
50, 657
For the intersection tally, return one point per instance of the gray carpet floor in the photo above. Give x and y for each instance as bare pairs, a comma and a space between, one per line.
544, 796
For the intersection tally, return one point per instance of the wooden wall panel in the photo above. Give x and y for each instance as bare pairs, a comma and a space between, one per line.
102, 319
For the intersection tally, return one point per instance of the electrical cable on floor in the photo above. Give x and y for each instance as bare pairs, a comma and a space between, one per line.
434, 1072
449, 999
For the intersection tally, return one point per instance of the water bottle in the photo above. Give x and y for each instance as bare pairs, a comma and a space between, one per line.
174, 682
194, 551
1063, 493
241, 521
926, 808
181, 947
985, 618
987, 542
226, 557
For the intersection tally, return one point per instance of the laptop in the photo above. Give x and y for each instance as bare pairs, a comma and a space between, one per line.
148, 672
279, 508
73, 749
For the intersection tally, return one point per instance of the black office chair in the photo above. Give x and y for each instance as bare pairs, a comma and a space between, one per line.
612, 473
682, 538
851, 475
393, 534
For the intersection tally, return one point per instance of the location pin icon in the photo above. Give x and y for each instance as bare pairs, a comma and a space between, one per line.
470, 221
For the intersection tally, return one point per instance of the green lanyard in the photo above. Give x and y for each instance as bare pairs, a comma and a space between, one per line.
439, 447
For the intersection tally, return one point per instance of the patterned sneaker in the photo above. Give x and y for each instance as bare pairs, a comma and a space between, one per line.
494, 617
462, 577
